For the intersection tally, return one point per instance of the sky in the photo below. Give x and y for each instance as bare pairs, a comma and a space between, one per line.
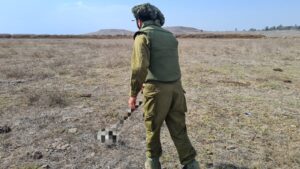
85, 16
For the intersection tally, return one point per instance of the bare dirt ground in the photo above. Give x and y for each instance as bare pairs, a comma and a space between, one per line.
243, 99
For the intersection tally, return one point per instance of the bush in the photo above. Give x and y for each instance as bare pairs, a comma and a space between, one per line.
46, 98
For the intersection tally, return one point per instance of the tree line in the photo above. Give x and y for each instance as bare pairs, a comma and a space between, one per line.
279, 27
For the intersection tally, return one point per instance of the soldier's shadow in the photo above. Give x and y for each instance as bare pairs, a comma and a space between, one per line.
227, 166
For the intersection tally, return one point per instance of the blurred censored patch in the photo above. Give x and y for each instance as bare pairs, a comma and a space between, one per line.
108, 136
111, 135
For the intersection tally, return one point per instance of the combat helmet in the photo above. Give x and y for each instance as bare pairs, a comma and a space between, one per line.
148, 12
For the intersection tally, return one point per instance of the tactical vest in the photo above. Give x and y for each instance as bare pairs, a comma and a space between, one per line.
164, 60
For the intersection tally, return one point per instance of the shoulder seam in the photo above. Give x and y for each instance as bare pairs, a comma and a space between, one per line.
138, 33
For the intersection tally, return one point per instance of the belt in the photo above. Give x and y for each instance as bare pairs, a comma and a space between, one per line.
158, 81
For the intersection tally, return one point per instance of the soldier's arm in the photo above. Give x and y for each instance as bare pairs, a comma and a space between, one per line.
139, 63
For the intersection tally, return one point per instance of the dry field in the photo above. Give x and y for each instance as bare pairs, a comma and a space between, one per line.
243, 98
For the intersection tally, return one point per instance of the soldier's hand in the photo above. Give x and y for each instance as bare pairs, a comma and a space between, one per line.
132, 103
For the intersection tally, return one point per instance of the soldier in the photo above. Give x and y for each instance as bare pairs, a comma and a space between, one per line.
156, 71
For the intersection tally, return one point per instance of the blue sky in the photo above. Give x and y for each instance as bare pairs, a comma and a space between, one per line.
84, 16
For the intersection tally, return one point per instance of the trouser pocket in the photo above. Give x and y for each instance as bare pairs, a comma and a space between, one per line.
150, 92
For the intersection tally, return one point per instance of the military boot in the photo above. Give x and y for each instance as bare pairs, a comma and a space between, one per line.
192, 165
152, 163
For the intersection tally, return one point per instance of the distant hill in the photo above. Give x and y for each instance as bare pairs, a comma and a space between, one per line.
112, 32
177, 30
181, 30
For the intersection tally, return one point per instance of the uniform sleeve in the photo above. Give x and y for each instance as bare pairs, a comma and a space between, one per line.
139, 63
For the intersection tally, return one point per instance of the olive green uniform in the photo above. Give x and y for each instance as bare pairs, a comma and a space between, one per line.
155, 64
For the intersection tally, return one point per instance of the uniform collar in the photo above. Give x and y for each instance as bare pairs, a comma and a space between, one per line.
151, 22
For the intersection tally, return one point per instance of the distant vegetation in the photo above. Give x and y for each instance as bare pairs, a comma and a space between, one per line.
277, 28
33, 36
280, 27
192, 35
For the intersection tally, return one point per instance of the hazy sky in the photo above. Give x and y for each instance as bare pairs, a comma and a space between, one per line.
84, 16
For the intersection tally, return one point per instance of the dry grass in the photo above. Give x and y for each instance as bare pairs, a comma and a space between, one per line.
242, 114
228, 35
46, 98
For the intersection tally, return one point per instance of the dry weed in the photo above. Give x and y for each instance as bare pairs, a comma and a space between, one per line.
46, 97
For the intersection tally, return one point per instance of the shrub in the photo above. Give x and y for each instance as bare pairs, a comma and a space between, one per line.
46, 98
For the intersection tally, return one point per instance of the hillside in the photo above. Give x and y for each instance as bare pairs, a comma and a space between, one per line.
177, 30
182, 30
112, 32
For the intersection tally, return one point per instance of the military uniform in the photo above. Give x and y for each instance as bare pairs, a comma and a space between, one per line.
155, 64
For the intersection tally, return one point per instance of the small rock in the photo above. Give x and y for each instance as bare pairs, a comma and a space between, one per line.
268, 159
17, 122
210, 153
209, 165
86, 95
71, 166
68, 119
64, 147
4, 129
59, 145
55, 145
37, 155
287, 81
248, 113
114, 126
81, 106
231, 148
92, 154
293, 126
44, 167
72, 130
278, 70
